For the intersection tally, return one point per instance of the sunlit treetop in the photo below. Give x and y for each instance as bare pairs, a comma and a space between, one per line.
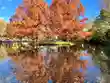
3, 26
35, 18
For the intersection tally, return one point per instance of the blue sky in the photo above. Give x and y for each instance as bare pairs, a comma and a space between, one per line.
7, 8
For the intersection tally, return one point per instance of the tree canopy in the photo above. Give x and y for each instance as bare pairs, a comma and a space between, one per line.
36, 19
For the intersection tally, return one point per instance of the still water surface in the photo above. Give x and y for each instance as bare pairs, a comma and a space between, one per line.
6, 72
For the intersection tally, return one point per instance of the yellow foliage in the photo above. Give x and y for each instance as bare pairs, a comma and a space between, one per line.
3, 26
2, 21
15, 46
13, 49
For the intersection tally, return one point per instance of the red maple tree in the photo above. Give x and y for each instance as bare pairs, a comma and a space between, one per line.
36, 18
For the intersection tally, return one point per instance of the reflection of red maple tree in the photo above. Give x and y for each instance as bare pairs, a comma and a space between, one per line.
36, 18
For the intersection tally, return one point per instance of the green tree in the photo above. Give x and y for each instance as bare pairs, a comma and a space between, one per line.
102, 23
101, 38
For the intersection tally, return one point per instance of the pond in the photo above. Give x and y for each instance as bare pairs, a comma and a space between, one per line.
6, 71
92, 73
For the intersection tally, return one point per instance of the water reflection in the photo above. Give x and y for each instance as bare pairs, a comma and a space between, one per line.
7, 73
93, 72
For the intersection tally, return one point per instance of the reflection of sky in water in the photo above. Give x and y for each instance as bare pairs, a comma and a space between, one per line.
92, 74
6, 75
93, 71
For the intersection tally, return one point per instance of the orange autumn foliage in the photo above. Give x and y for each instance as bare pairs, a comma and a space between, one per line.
35, 17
